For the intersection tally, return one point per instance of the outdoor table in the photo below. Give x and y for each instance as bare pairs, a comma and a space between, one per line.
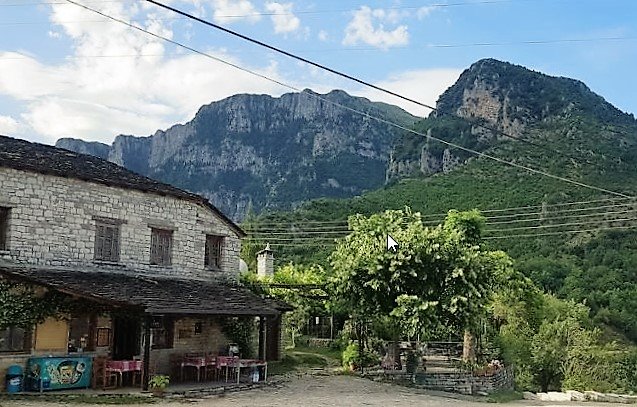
255, 363
197, 362
124, 366
227, 362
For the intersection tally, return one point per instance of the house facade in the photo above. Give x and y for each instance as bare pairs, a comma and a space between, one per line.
92, 230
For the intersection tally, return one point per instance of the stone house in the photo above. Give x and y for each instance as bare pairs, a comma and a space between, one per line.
94, 231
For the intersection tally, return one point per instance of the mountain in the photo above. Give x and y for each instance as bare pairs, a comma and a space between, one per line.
255, 152
493, 101
576, 241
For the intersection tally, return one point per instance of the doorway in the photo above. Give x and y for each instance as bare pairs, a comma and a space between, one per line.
126, 338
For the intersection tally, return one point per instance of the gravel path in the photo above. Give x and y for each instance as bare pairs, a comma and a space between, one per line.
322, 391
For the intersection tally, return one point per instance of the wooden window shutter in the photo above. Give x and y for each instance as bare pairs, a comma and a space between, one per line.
213, 251
154, 247
115, 251
206, 258
161, 247
99, 241
4, 227
107, 249
106, 242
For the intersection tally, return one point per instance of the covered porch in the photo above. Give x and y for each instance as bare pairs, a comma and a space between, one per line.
141, 326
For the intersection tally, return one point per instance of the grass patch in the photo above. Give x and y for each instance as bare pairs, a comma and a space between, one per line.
301, 358
504, 396
333, 355
81, 398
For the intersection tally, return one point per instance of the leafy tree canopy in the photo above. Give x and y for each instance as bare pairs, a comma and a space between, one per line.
439, 275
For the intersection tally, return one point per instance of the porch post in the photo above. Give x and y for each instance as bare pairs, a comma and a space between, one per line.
146, 375
262, 337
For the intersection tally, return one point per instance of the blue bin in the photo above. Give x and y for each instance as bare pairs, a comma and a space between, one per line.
14, 379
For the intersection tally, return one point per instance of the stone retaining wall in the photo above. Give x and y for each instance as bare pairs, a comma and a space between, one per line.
456, 382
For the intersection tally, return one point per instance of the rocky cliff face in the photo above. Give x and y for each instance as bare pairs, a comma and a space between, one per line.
256, 152
504, 97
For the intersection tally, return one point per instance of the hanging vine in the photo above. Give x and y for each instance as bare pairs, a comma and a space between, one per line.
22, 306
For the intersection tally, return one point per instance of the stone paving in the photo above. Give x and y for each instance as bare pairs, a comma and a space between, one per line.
323, 391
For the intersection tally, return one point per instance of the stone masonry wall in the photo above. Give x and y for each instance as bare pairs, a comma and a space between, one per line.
210, 340
457, 382
52, 223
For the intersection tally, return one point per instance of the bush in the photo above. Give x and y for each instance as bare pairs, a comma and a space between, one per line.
603, 369
351, 357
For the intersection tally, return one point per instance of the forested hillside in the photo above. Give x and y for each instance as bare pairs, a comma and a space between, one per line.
575, 241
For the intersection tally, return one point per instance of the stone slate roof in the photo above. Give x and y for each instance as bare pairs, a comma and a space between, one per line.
40, 158
154, 295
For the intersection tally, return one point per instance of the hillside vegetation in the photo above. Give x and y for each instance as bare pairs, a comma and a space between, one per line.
570, 132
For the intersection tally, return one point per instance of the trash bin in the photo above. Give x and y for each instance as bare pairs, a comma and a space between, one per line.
14, 379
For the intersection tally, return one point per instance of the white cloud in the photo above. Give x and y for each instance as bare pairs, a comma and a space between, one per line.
283, 18
424, 11
99, 98
367, 27
323, 35
232, 11
424, 86
8, 125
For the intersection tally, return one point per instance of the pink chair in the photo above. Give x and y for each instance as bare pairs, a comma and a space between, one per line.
227, 363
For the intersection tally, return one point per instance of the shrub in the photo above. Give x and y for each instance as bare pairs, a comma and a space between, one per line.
351, 357
159, 382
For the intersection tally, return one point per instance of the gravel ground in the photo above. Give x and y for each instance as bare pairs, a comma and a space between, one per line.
326, 391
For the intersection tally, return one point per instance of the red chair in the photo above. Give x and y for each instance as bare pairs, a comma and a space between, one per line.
228, 363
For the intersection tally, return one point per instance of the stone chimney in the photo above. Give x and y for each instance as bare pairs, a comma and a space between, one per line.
265, 262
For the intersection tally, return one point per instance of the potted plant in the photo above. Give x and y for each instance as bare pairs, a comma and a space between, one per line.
158, 384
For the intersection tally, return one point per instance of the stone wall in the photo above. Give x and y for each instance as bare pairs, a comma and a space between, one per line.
456, 382
210, 340
467, 382
498, 380
52, 223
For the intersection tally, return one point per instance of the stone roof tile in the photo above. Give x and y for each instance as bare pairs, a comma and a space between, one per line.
40, 158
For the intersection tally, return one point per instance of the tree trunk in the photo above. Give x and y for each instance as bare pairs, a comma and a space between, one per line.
396, 352
469, 347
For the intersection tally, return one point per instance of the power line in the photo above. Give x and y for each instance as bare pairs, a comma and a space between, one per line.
531, 235
365, 114
482, 211
355, 79
588, 215
559, 225
328, 244
299, 227
333, 234
601, 224
266, 14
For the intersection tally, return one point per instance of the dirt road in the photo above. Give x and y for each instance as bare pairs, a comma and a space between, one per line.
323, 391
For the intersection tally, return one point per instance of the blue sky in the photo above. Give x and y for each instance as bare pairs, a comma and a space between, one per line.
66, 72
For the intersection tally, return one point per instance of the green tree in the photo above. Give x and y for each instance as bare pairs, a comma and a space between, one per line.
439, 275
300, 287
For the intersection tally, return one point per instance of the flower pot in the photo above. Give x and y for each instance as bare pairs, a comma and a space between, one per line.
157, 392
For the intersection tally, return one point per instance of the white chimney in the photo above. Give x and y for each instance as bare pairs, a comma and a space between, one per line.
265, 262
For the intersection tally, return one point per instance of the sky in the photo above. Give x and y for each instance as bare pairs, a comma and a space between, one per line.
68, 72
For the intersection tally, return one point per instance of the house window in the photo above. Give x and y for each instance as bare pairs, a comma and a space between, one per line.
14, 339
81, 334
106, 241
213, 251
161, 246
161, 333
4, 228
